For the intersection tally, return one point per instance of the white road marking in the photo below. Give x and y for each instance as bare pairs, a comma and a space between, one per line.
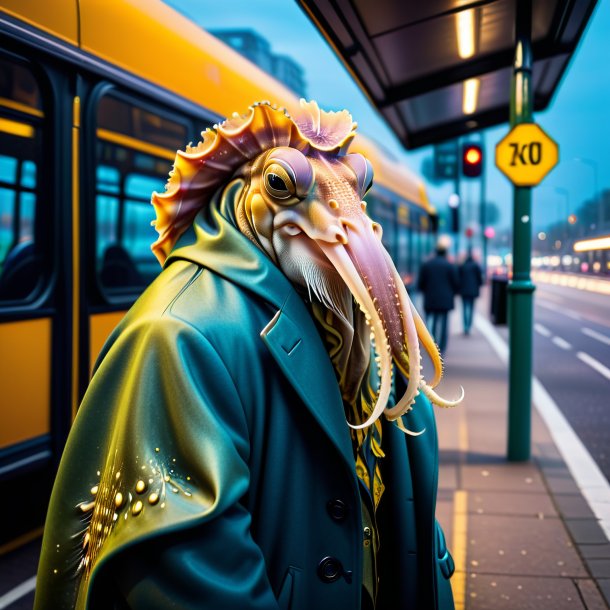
595, 335
594, 364
562, 343
542, 330
18, 592
584, 469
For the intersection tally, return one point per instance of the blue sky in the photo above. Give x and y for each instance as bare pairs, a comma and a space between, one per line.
578, 118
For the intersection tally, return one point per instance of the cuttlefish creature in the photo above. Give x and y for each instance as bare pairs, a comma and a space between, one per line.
302, 204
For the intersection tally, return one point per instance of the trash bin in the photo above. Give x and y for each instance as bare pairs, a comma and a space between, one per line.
499, 298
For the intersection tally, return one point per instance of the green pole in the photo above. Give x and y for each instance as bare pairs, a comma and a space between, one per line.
520, 289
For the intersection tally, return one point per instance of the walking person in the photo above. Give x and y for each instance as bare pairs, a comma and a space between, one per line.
471, 280
439, 282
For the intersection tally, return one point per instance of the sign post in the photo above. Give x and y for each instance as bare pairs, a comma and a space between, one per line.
525, 155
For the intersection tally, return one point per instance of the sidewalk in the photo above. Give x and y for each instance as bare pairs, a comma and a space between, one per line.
521, 534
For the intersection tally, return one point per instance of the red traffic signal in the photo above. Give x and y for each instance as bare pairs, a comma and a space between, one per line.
472, 160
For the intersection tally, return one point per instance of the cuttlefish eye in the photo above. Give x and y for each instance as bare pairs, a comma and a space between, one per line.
363, 169
287, 175
278, 182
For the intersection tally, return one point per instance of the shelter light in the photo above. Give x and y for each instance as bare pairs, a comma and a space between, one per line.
599, 243
555, 261
464, 21
471, 95
566, 260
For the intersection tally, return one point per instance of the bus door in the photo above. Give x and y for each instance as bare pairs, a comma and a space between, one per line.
34, 236
133, 145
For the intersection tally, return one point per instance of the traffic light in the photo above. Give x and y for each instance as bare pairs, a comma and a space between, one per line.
472, 160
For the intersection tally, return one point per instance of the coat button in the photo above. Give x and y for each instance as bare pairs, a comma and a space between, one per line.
337, 509
330, 569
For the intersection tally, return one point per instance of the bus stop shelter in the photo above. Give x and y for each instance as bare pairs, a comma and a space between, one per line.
447, 68
442, 69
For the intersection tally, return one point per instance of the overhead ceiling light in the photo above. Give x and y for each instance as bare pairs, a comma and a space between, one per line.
464, 23
471, 95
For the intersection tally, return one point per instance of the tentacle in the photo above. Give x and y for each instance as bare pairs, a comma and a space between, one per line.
401, 426
429, 345
438, 400
411, 368
337, 255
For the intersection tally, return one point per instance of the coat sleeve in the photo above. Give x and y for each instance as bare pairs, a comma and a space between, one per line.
146, 509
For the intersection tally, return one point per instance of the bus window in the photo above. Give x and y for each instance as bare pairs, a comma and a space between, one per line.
21, 260
135, 149
382, 210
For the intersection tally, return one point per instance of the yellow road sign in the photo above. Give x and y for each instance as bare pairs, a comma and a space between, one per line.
526, 154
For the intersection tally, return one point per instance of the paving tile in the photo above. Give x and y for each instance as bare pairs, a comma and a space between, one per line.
448, 477
521, 545
499, 592
600, 568
591, 595
537, 505
604, 586
595, 551
561, 485
586, 531
502, 477
573, 506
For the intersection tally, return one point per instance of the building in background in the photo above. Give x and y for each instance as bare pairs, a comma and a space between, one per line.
256, 48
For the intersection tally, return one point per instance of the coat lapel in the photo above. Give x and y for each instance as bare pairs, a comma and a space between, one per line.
294, 342
291, 335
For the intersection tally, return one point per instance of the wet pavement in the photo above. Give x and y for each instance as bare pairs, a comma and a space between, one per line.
522, 534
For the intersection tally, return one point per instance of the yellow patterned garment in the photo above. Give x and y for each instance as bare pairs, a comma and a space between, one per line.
355, 369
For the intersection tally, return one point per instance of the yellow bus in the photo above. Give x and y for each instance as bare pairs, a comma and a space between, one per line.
95, 98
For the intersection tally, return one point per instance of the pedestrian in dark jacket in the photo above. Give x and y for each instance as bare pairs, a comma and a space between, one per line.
471, 280
439, 282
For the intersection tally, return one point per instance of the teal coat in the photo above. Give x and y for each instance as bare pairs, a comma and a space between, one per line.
214, 442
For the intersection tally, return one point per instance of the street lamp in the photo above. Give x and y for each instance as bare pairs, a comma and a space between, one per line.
600, 210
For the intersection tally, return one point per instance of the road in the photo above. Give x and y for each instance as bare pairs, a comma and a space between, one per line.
572, 360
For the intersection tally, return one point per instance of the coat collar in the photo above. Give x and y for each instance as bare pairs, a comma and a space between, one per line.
291, 335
